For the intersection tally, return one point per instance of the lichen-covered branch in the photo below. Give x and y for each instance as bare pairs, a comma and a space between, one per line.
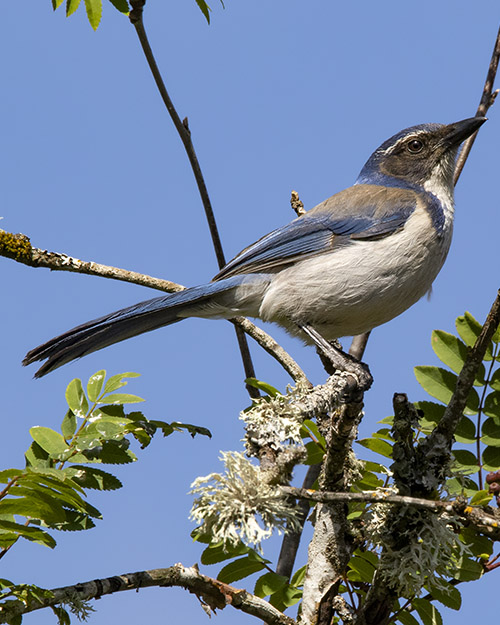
339, 405
486, 523
213, 594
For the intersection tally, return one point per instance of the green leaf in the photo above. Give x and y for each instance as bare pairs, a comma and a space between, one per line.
263, 386
34, 534
117, 381
76, 399
377, 445
34, 507
115, 452
314, 453
37, 457
468, 570
192, 429
204, 8
430, 414
94, 12
491, 458
95, 383
461, 486
427, 612
453, 352
49, 440
479, 545
495, 380
491, 433
441, 383
121, 5
465, 461
360, 570
269, 583
406, 618
469, 329
299, 576
121, 398
492, 404
481, 498
449, 349
71, 6
220, 552
68, 425
450, 597
56, 4
285, 598
466, 431
7, 474
95, 479
310, 429
239, 569
63, 618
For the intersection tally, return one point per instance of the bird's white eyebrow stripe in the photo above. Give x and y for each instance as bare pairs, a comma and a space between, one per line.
391, 148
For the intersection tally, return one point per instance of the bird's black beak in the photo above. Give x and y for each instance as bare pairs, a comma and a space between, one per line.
459, 131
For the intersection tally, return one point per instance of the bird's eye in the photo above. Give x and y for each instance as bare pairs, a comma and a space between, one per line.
415, 146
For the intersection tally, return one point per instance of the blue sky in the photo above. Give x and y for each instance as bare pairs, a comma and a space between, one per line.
280, 95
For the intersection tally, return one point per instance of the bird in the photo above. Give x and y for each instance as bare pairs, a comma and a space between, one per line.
348, 265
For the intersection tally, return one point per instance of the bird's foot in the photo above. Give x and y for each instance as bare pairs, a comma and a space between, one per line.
338, 358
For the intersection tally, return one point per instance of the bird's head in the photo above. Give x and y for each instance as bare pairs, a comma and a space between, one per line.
418, 155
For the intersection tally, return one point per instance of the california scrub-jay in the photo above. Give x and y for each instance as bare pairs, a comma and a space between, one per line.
355, 261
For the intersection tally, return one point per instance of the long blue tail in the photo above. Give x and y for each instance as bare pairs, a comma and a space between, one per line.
210, 300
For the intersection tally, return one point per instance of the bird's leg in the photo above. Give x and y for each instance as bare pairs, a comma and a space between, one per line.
338, 358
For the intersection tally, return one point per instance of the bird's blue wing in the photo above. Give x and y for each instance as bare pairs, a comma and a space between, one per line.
316, 232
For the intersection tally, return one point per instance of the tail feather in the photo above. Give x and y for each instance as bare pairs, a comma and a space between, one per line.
126, 323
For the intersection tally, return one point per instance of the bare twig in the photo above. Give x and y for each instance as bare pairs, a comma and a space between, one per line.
487, 100
19, 248
214, 595
483, 521
182, 128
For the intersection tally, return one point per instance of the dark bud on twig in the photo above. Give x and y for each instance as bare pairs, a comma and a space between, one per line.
135, 14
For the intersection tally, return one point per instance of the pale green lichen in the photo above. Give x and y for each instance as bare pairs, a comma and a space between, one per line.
425, 552
240, 505
273, 422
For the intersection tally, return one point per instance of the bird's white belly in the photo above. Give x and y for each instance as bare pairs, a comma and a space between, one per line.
362, 285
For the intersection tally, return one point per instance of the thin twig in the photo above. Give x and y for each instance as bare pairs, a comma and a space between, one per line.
214, 595
18, 248
488, 97
487, 100
486, 523
185, 136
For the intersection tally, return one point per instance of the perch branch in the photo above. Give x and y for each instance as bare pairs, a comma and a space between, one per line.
182, 128
214, 595
18, 248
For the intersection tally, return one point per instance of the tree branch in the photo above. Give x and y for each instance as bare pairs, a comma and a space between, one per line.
214, 595
182, 128
484, 522
487, 100
18, 248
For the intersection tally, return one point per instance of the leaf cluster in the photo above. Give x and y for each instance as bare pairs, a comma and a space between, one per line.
94, 8
50, 492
